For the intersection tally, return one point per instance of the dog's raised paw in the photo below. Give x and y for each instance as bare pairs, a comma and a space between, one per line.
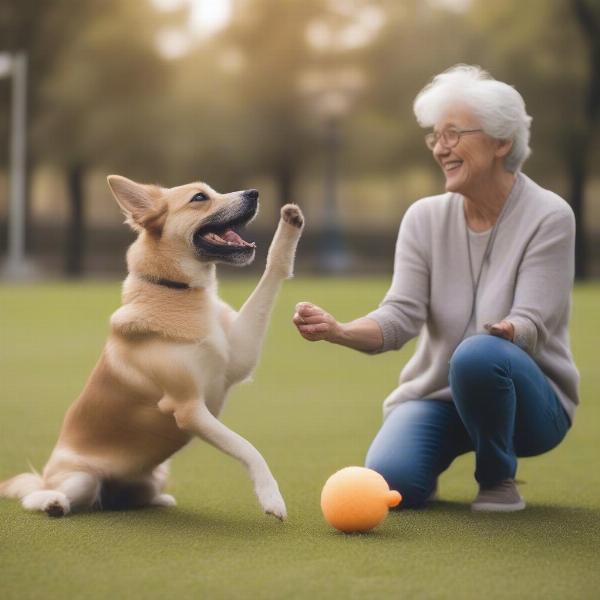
291, 214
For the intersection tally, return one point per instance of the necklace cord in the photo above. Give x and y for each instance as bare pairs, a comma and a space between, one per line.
488, 251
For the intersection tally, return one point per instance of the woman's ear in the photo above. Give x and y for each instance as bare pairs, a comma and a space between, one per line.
142, 204
504, 148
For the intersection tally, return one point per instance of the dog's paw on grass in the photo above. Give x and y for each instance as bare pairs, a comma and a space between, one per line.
55, 509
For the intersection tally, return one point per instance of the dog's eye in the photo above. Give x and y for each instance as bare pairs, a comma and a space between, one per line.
199, 197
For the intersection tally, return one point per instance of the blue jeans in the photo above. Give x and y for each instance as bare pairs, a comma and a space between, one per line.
503, 407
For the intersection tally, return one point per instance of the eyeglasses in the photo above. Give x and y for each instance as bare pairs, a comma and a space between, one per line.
450, 137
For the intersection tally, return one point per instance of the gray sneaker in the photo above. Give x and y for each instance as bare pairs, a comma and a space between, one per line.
502, 497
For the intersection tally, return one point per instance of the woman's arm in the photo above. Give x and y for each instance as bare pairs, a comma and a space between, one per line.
315, 324
404, 308
401, 313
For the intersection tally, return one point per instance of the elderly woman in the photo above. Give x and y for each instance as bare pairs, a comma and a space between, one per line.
483, 275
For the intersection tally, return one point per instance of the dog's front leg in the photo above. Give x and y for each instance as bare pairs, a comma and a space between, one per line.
195, 418
250, 324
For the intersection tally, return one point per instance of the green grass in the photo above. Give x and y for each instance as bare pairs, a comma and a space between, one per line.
311, 409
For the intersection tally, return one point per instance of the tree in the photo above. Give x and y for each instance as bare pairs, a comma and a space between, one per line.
96, 82
549, 51
272, 40
588, 18
416, 42
42, 29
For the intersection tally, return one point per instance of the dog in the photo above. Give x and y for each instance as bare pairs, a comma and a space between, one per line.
174, 351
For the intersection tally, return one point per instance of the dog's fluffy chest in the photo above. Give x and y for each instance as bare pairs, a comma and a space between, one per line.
211, 357
195, 367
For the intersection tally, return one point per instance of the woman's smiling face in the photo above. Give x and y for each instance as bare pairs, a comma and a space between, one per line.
472, 161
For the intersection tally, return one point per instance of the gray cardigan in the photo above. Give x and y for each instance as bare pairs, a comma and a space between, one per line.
526, 280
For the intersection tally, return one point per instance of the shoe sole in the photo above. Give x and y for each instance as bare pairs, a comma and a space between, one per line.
497, 507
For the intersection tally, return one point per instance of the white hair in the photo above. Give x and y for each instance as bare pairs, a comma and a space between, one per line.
499, 107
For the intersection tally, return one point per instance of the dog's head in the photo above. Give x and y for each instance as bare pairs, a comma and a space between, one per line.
191, 220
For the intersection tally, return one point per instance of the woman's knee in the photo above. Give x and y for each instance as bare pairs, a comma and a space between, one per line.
479, 357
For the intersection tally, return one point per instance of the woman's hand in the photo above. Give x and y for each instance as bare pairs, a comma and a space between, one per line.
503, 329
315, 324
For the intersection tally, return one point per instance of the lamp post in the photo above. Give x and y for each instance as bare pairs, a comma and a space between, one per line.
16, 266
332, 94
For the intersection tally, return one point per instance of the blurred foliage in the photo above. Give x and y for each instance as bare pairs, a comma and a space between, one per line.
543, 56
101, 94
247, 82
240, 103
96, 81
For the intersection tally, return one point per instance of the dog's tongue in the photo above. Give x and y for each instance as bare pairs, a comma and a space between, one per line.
232, 237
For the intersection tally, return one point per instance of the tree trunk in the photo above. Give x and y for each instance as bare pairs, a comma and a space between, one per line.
589, 22
74, 248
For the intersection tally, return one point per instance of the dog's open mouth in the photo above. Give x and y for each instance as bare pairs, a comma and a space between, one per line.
228, 237
218, 238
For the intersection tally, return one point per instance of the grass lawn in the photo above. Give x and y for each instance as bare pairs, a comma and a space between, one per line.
311, 409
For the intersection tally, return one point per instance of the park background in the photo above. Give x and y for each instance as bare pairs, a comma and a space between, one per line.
308, 101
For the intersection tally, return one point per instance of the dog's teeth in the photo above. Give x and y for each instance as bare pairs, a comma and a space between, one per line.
213, 237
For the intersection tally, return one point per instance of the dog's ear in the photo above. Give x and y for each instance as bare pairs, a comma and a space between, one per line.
143, 205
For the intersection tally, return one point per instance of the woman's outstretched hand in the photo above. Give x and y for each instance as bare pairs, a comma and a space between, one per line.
315, 324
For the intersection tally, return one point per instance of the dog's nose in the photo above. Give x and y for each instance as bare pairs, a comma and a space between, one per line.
251, 194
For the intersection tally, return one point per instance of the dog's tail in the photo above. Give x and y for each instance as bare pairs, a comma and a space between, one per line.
21, 485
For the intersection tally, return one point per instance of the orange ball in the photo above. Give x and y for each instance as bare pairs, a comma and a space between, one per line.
356, 499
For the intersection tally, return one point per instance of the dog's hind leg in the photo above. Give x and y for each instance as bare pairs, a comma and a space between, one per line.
159, 480
74, 490
118, 494
21, 485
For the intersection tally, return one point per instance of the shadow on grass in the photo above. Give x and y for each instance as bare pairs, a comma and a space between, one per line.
184, 522
576, 527
557, 524
532, 511
378, 534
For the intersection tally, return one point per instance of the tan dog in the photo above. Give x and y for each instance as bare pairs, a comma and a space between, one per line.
174, 351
